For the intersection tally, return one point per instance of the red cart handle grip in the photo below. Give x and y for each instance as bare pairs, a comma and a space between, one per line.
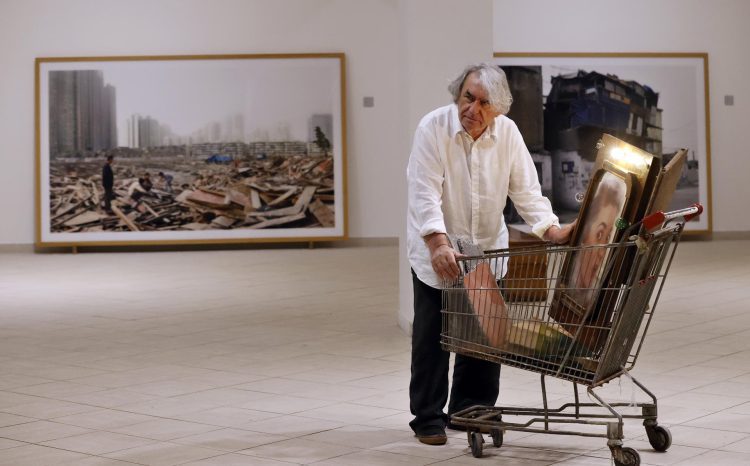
698, 210
657, 219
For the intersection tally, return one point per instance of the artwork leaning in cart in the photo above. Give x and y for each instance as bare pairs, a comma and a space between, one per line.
597, 228
617, 196
190, 149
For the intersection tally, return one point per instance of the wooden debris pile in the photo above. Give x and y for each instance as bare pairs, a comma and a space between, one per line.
286, 192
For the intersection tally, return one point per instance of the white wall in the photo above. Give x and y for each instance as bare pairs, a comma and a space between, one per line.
440, 38
718, 28
366, 30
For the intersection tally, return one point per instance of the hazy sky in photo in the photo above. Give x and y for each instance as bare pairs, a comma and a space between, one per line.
187, 95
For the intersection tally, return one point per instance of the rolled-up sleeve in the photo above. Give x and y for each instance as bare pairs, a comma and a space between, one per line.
425, 176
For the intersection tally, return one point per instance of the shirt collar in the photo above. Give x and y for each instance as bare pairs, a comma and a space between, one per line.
455, 122
457, 129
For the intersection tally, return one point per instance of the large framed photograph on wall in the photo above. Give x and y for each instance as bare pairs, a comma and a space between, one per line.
190, 149
659, 102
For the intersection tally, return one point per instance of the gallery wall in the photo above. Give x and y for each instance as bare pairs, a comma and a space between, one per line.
365, 30
437, 46
376, 35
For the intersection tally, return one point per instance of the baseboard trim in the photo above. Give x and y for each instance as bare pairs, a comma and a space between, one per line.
730, 235
369, 242
349, 243
9, 248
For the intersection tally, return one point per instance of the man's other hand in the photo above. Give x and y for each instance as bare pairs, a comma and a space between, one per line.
560, 235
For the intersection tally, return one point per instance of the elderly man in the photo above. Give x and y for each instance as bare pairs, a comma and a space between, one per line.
466, 159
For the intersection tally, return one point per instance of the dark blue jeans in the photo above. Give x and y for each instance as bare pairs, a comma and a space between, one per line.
475, 382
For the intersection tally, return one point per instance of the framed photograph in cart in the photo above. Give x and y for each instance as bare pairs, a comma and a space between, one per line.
190, 149
658, 102
618, 193
584, 274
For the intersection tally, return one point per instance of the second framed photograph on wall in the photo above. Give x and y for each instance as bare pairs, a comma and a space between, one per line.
564, 102
190, 149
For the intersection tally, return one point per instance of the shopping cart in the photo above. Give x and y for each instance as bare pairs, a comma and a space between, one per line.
554, 324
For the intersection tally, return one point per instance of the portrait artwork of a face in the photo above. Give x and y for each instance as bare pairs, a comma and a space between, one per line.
597, 228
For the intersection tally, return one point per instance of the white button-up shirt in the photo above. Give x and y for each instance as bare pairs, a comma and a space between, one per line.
459, 186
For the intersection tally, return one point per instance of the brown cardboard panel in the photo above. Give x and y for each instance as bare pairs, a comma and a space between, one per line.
488, 304
667, 183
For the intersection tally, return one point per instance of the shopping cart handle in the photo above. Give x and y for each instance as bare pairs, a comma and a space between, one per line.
655, 220
698, 210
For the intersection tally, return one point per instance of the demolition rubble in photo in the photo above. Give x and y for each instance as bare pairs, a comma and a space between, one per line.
276, 188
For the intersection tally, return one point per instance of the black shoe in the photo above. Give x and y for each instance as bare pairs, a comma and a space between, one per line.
433, 435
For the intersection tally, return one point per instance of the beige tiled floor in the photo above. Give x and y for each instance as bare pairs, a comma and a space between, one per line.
292, 356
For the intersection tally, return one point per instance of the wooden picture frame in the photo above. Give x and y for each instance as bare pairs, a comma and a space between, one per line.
252, 149
617, 194
682, 120
583, 272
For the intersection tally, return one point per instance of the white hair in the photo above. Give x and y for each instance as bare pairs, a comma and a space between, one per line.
493, 80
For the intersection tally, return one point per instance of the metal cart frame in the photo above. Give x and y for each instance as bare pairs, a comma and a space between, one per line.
542, 329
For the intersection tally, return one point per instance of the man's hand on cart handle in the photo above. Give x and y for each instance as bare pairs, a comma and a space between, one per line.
443, 256
560, 235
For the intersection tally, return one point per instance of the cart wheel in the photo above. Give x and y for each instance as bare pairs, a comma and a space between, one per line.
476, 441
497, 438
659, 437
630, 457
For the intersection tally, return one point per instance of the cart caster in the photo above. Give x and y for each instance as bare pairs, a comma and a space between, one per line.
627, 457
659, 437
497, 438
475, 442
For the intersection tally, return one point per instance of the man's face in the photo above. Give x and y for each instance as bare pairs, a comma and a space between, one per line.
474, 109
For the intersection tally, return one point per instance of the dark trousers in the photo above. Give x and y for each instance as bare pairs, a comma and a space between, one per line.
109, 194
475, 382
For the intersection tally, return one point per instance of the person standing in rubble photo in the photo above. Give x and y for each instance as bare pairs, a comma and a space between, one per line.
108, 183
466, 159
